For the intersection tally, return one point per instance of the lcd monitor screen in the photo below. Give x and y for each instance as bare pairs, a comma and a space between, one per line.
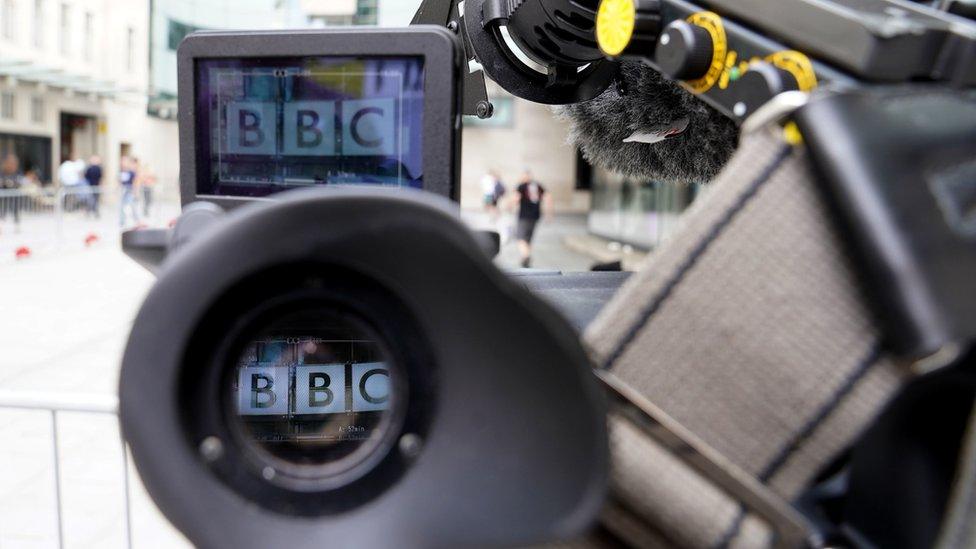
271, 124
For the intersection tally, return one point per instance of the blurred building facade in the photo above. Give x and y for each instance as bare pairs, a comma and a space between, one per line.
522, 136
172, 20
635, 211
337, 13
73, 80
83, 77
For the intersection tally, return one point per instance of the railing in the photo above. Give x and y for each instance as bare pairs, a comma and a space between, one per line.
40, 219
54, 404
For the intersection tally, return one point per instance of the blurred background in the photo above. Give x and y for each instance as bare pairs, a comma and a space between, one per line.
94, 82
88, 148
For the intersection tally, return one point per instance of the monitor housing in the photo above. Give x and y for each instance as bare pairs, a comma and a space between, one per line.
261, 112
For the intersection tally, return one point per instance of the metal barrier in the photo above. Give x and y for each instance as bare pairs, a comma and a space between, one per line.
34, 218
58, 403
16, 202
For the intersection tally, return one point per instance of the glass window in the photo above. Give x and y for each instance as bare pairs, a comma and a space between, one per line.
639, 212
8, 16
65, 34
38, 30
7, 105
366, 12
177, 32
34, 153
89, 35
130, 43
37, 109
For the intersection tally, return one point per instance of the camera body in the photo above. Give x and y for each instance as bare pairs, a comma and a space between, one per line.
343, 362
309, 359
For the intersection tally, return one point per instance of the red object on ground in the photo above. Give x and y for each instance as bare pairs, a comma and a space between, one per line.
91, 239
22, 252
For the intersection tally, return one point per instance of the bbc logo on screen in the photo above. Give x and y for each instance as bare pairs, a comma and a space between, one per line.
317, 389
367, 127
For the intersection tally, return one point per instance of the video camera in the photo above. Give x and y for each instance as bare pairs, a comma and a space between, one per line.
330, 355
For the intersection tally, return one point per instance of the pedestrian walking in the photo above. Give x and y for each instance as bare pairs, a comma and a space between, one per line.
532, 201
69, 173
93, 175
127, 183
76, 189
147, 184
492, 190
10, 182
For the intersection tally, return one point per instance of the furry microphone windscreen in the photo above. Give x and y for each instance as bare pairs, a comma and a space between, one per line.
639, 133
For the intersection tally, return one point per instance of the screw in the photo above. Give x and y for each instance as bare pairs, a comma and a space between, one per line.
485, 109
268, 473
739, 109
410, 445
452, 26
211, 448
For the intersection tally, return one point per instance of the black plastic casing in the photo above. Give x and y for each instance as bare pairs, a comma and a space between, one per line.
443, 60
515, 448
897, 166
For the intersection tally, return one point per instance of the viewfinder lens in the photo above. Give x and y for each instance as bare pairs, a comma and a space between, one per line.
316, 395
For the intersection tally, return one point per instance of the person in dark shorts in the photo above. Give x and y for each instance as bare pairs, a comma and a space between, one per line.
93, 175
532, 203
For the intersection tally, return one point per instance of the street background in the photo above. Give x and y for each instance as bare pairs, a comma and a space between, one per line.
87, 78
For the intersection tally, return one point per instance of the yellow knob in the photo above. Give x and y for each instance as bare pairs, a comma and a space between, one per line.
615, 22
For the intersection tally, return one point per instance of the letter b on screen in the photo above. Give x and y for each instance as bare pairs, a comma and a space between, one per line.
263, 390
309, 128
251, 128
320, 389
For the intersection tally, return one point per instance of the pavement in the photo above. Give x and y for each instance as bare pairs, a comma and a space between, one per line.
549, 244
65, 314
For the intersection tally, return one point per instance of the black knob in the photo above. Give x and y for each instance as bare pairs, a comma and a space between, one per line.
684, 51
759, 84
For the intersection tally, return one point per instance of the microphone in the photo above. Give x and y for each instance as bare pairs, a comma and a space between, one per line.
652, 128
547, 51
656, 89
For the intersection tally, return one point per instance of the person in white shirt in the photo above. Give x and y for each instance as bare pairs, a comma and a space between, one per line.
72, 177
70, 172
492, 191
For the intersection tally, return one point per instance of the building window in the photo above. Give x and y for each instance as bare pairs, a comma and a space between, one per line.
366, 12
34, 153
89, 35
7, 21
130, 44
65, 35
7, 105
177, 32
38, 23
37, 110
